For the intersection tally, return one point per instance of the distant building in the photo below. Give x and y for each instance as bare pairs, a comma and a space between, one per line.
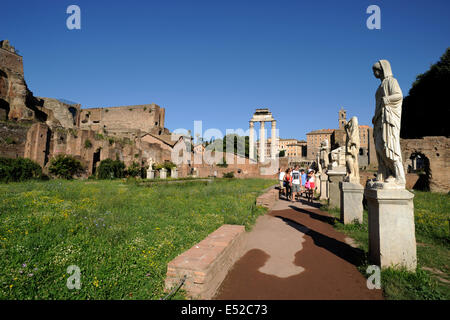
313, 140
291, 147
337, 137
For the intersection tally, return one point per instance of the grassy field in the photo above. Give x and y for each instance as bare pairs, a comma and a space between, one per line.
432, 278
120, 234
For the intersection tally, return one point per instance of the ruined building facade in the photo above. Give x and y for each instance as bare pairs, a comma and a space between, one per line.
40, 128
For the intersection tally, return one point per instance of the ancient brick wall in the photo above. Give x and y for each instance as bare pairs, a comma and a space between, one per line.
36, 147
66, 115
11, 61
147, 118
437, 151
12, 139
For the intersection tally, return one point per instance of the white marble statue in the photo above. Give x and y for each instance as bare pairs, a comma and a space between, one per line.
324, 151
352, 145
319, 164
338, 157
150, 163
386, 127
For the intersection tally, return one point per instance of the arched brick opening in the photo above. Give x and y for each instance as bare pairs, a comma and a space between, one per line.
95, 160
73, 111
419, 163
4, 110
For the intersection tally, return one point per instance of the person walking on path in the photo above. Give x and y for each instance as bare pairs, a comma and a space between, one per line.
281, 174
303, 178
310, 185
296, 183
288, 183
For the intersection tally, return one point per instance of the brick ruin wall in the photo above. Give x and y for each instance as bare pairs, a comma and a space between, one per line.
43, 143
147, 118
13, 89
437, 150
13, 137
11, 61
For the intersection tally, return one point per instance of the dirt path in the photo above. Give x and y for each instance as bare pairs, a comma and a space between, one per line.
293, 253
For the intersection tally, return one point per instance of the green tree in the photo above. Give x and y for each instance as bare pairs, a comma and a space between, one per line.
134, 170
65, 166
110, 169
18, 169
429, 93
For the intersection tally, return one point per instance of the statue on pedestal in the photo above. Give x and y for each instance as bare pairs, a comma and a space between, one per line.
386, 128
352, 145
324, 151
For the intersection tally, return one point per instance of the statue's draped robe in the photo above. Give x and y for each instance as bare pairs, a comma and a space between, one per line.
387, 120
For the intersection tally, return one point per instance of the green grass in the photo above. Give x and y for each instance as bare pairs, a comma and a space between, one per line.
432, 214
121, 235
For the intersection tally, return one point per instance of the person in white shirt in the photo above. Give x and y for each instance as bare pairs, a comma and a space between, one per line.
281, 174
296, 183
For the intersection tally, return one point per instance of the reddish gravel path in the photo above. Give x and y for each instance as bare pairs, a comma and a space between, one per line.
294, 253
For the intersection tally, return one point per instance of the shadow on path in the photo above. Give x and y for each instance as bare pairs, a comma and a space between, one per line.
344, 251
320, 217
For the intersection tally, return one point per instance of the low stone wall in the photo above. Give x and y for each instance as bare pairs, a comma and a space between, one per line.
268, 199
206, 264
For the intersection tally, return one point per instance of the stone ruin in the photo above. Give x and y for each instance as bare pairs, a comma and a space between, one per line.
40, 128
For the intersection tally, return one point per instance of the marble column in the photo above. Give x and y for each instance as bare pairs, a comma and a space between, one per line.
262, 143
274, 139
251, 142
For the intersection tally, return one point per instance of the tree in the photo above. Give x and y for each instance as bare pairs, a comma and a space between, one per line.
234, 140
65, 166
429, 94
110, 169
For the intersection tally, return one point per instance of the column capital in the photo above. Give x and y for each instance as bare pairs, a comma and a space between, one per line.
262, 124
252, 123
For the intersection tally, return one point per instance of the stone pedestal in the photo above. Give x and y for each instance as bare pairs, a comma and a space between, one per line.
174, 173
163, 173
323, 186
150, 174
318, 186
392, 239
334, 177
351, 202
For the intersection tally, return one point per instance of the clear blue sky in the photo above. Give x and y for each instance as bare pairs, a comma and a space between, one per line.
217, 61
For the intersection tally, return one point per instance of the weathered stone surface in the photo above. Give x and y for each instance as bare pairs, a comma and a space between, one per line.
334, 177
324, 192
206, 264
65, 115
351, 202
437, 152
147, 118
163, 173
150, 174
392, 240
